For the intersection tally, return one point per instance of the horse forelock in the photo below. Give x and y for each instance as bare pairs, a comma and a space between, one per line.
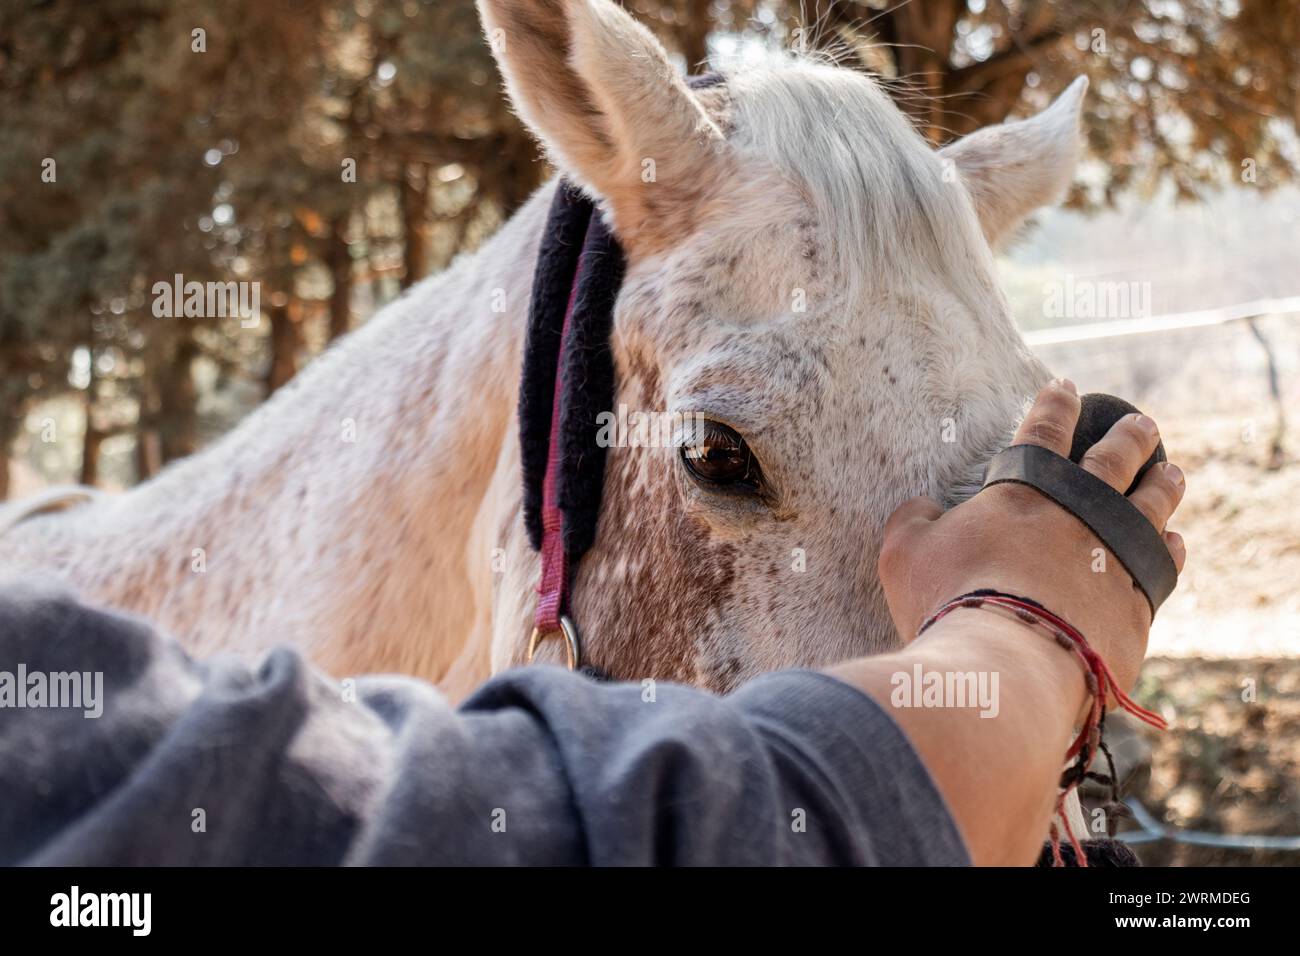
882, 194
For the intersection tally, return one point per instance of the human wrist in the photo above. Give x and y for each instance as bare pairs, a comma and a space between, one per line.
1033, 660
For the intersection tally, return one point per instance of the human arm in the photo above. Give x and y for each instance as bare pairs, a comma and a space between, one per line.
226, 762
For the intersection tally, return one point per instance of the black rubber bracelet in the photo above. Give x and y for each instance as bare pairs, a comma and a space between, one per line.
1123, 529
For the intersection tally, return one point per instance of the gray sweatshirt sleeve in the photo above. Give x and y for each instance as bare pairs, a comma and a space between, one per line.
217, 762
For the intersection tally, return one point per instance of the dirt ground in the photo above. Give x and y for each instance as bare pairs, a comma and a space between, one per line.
1225, 765
1239, 595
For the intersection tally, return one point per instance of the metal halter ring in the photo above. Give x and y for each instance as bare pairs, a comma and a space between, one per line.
572, 650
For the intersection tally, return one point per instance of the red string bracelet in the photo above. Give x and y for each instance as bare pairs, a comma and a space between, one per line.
1100, 682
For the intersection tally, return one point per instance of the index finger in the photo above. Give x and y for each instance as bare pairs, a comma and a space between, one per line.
1050, 422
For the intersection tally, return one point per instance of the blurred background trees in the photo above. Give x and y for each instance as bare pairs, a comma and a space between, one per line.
335, 151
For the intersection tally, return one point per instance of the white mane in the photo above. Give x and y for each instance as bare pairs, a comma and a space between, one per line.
874, 181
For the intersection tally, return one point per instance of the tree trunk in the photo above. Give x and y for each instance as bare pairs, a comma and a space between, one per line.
166, 427
946, 101
148, 454
340, 261
692, 34
92, 438
10, 426
90, 445
925, 34
286, 338
414, 194
148, 458
178, 404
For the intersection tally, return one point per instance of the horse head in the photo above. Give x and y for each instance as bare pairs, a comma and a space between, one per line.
810, 292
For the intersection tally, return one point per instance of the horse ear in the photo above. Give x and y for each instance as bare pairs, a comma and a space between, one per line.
1012, 169
598, 90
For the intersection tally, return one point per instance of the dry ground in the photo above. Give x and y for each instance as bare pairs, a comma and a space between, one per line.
1225, 765
1228, 764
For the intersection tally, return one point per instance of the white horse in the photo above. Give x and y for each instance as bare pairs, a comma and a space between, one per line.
803, 270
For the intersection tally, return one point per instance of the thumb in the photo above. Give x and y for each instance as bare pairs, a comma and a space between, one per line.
899, 548
910, 517
913, 511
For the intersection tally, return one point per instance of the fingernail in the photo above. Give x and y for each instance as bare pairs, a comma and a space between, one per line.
1175, 543
1065, 385
1144, 423
1174, 473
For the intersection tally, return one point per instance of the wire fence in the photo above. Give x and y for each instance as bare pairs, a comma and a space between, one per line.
1175, 322
1150, 830
1213, 360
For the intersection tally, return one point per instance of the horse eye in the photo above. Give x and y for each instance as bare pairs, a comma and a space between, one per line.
718, 455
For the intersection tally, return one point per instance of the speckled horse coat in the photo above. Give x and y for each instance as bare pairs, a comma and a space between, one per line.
801, 266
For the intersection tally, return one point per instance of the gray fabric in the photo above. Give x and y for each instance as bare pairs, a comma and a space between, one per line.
282, 765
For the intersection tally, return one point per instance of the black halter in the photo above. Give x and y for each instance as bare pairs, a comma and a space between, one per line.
568, 380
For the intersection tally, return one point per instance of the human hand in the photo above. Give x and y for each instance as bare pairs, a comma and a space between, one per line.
1011, 538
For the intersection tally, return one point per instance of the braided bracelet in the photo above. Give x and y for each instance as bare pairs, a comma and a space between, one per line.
1100, 683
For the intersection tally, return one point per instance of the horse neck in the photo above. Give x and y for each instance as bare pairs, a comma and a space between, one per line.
338, 517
